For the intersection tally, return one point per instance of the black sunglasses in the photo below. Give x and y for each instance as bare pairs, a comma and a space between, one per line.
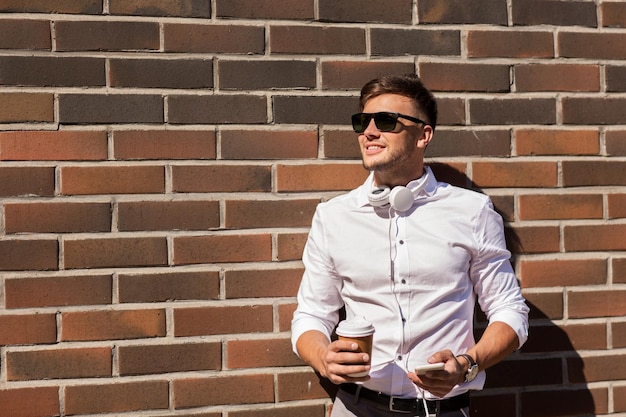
385, 121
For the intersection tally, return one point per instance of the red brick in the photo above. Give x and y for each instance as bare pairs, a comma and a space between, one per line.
593, 110
563, 402
217, 109
277, 213
566, 338
562, 272
116, 398
59, 363
79, 290
26, 107
459, 11
45, 217
30, 402
265, 9
289, 246
592, 45
619, 270
402, 42
613, 14
593, 173
27, 329
268, 144
26, 181
559, 77
110, 108
465, 77
106, 35
395, 11
171, 286
545, 305
315, 410
168, 215
618, 330
617, 206
164, 144
341, 144
616, 142
60, 6
599, 368
510, 111
108, 179
201, 321
329, 177
586, 304
222, 248
112, 324
160, 359
114, 252
558, 13
509, 44
560, 206
352, 75
223, 390
210, 38
316, 40
194, 8
221, 178
514, 174
25, 34
295, 386
29, 254
260, 353
262, 283
266, 74
557, 142
53, 146
619, 398
535, 239
595, 237
161, 73
285, 314
314, 109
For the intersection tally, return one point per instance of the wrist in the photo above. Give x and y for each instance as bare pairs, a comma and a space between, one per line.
469, 367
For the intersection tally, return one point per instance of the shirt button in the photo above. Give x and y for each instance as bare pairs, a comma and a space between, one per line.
399, 357
402, 242
404, 281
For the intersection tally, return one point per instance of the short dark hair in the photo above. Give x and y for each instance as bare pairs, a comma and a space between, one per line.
408, 85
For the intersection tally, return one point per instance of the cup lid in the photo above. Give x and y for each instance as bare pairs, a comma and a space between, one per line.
356, 326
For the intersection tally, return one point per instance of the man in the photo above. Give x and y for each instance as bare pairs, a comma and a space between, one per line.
413, 264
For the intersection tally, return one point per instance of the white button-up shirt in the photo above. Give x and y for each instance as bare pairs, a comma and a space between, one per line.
415, 275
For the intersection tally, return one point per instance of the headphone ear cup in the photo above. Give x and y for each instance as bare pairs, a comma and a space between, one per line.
379, 196
401, 199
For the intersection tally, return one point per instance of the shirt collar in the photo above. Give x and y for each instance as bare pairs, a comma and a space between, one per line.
423, 187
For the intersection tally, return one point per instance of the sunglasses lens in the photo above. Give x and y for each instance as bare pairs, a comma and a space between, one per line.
385, 122
360, 122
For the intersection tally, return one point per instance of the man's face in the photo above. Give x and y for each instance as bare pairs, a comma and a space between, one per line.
397, 154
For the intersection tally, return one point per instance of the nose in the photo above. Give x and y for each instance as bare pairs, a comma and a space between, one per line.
371, 131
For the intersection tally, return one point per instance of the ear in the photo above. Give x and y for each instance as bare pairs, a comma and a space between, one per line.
427, 135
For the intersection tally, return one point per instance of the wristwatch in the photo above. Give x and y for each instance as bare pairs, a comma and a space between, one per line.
472, 371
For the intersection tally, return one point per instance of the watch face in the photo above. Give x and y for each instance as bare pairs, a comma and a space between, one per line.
471, 373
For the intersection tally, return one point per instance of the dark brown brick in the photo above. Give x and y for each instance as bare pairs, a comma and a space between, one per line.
114, 252
535, 239
164, 144
25, 180
545, 305
25, 34
603, 237
161, 73
560, 77
341, 144
78, 290
30, 402
199, 321
566, 338
209, 38
352, 75
223, 390
224, 178
29, 254
160, 359
514, 174
619, 334
315, 410
44, 217
27, 329
526, 373
262, 283
295, 386
615, 79
560, 206
593, 110
513, 111
314, 109
59, 364
493, 405
393, 42
193, 8
613, 14
560, 272
266, 9
268, 144
597, 368
509, 44
470, 143
317, 40
53, 145
171, 286
110, 108
330, 177
557, 142
260, 353
603, 303
616, 142
266, 74
26, 107
557, 13
594, 173
217, 109
52, 71
60, 6
222, 248
592, 45
112, 324
619, 270
451, 111
104, 179
617, 206
465, 77
395, 11
458, 11
106, 35
290, 246
269, 214
168, 215
116, 398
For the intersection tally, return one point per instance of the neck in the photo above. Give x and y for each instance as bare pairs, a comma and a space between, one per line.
393, 179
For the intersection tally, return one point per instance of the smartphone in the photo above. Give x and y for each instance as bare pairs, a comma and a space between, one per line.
422, 369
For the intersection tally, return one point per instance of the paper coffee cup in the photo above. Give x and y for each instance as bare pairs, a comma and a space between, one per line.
360, 331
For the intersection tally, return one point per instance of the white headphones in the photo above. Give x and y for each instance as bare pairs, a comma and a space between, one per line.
400, 198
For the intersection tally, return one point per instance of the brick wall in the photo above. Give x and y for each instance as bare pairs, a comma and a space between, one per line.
161, 161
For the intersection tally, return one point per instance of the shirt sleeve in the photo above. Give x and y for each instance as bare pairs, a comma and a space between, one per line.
495, 284
319, 295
